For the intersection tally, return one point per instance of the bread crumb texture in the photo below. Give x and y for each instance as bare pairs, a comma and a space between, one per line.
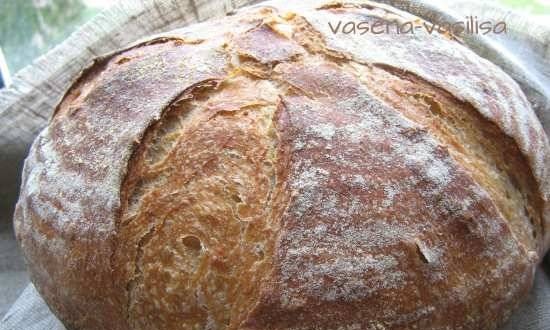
260, 172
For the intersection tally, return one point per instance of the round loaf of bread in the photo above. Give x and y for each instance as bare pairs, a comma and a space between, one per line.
268, 171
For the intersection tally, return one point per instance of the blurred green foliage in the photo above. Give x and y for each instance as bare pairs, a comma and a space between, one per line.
529, 6
29, 28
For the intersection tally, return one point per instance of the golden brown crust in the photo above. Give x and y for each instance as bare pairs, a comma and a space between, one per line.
75, 169
436, 59
478, 145
262, 173
202, 211
381, 222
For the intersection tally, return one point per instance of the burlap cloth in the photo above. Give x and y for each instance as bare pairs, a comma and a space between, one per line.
524, 53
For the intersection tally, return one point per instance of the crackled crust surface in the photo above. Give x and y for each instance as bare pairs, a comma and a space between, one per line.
261, 172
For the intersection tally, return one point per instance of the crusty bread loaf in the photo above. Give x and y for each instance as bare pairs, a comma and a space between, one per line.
261, 172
